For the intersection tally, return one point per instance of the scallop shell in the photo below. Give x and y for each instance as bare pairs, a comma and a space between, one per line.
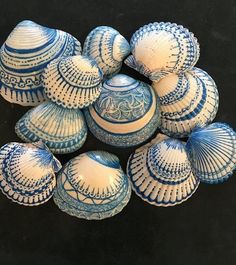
126, 113
92, 186
62, 130
161, 173
25, 54
27, 173
108, 47
187, 100
73, 82
212, 152
162, 48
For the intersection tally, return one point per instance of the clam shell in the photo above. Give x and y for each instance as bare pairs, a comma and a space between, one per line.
162, 48
92, 186
212, 152
186, 100
23, 57
27, 173
73, 82
126, 113
62, 130
108, 47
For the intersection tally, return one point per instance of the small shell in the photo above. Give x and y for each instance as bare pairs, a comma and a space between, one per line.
27, 173
186, 100
108, 47
25, 54
62, 130
73, 82
161, 173
92, 186
212, 152
162, 48
126, 113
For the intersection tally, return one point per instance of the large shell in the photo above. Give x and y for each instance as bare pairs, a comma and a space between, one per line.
62, 130
23, 57
73, 82
162, 48
186, 100
108, 47
126, 113
161, 173
92, 186
27, 173
212, 152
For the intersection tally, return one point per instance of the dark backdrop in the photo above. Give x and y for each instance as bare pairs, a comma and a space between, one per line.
201, 231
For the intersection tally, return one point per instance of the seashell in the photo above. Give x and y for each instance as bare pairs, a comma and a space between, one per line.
25, 54
108, 48
161, 173
92, 186
73, 82
212, 152
126, 113
27, 173
186, 100
162, 48
62, 130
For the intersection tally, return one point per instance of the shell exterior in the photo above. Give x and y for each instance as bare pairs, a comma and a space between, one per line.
108, 47
126, 113
92, 186
25, 54
161, 173
62, 130
186, 100
162, 48
73, 82
212, 152
27, 173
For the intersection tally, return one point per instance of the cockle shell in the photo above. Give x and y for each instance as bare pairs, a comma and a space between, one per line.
27, 173
186, 100
161, 173
162, 48
126, 113
73, 82
212, 152
62, 130
108, 47
92, 186
25, 54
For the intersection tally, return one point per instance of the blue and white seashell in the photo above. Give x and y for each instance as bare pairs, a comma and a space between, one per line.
27, 173
162, 48
62, 130
92, 186
186, 100
212, 152
126, 113
73, 82
161, 173
25, 54
108, 48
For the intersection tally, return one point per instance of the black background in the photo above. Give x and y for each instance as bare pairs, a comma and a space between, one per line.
198, 232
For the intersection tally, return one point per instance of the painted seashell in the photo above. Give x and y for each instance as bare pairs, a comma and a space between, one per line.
126, 113
161, 173
23, 57
212, 152
92, 186
108, 48
62, 130
162, 48
27, 173
73, 82
186, 100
